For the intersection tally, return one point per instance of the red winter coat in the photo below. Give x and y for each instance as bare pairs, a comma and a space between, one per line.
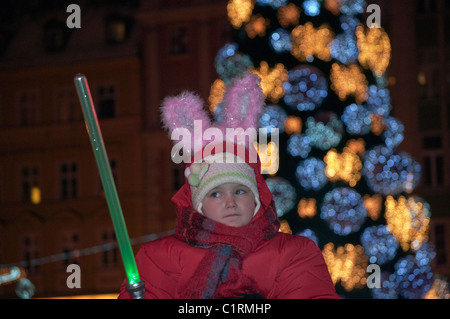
285, 266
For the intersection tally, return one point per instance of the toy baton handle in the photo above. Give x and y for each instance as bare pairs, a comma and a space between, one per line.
135, 286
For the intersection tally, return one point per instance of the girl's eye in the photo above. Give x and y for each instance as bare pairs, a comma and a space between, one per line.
214, 194
240, 191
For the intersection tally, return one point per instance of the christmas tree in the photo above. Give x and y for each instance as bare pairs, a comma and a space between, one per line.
341, 179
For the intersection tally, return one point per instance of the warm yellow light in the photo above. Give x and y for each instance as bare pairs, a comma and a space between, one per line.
347, 264
272, 80
346, 166
373, 205
374, 49
288, 15
216, 94
239, 12
35, 195
257, 26
293, 125
306, 207
439, 290
408, 221
308, 42
333, 6
378, 126
285, 228
347, 81
269, 156
357, 146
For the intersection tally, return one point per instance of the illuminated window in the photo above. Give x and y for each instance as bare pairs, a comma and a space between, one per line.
106, 101
31, 192
68, 181
429, 82
117, 28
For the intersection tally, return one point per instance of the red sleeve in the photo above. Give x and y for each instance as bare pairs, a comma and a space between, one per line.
157, 269
305, 274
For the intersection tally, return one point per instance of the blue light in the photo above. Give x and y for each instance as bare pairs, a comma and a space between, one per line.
344, 211
273, 117
229, 63
379, 244
310, 174
275, 4
299, 145
379, 101
324, 136
393, 135
344, 48
389, 287
280, 40
357, 119
414, 280
388, 172
306, 88
352, 7
284, 194
311, 7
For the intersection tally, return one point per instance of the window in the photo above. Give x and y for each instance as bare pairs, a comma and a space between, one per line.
69, 244
429, 117
67, 105
27, 107
433, 169
56, 35
68, 181
428, 79
109, 251
117, 28
106, 101
179, 40
424, 6
440, 245
30, 184
30, 252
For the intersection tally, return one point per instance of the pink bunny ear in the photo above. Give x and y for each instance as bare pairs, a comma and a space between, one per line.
243, 102
179, 113
182, 110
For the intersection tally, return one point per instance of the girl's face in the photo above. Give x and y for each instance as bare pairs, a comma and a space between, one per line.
230, 204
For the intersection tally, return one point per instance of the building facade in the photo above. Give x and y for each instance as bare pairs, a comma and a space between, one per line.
53, 210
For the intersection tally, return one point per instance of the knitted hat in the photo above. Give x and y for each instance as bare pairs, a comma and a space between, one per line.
215, 170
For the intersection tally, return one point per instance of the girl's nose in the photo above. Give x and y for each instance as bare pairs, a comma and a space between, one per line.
230, 201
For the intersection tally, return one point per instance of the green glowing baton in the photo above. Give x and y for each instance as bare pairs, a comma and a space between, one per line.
135, 286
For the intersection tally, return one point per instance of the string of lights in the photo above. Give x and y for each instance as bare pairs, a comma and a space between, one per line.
83, 252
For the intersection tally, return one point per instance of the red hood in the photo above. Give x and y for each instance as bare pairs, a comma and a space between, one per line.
182, 197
